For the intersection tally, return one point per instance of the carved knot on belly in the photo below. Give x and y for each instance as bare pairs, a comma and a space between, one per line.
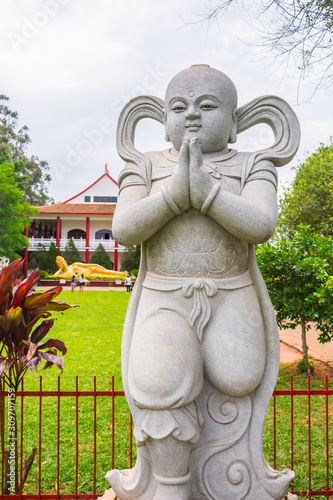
200, 290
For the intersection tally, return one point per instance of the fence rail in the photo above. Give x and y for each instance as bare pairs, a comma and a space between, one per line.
107, 399
310, 492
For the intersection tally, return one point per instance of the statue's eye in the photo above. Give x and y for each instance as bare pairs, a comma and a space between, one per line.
178, 108
207, 106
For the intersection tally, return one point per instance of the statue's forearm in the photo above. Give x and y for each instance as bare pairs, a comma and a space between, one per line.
138, 221
251, 221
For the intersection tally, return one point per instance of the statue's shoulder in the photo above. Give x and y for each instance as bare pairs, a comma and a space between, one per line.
261, 169
158, 165
163, 164
158, 158
230, 164
246, 166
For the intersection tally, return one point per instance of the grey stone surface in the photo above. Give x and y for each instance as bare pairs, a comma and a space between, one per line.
200, 353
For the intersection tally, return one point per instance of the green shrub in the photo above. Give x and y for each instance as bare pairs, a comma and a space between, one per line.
45, 258
71, 253
131, 258
101, 257
302, 366
43, 274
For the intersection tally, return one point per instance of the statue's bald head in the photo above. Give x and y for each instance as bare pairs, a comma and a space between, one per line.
203, 78
201, 102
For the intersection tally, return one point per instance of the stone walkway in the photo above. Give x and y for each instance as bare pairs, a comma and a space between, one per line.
293, 339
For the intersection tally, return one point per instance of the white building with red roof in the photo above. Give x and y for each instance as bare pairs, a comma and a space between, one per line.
86, 217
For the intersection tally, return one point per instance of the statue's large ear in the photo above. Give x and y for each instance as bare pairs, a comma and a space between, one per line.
276, 113
135, 110
166, 136
233, 133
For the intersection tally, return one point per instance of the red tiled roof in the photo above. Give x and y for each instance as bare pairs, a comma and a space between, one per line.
78, 208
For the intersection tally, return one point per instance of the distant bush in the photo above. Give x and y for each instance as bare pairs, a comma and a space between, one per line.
71, 253
303, 368
43, 274
45, 258
101, 257
131, 258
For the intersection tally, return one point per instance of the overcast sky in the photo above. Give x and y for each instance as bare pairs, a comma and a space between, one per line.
69, 66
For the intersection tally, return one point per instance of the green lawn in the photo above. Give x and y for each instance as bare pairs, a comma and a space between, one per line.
92, 334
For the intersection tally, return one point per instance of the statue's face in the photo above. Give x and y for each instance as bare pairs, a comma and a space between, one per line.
200, 103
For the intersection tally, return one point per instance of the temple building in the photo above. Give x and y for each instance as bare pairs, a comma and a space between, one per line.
86, 217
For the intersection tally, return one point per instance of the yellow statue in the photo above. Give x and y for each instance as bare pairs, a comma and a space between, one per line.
86, 269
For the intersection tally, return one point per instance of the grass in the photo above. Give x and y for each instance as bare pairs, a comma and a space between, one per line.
92, 334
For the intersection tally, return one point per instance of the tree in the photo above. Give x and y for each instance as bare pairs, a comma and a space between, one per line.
71, 253
31, 174
101, 257
309, 200
14, 215
44, 258
298, 32
131, 258
52, 254
296, 273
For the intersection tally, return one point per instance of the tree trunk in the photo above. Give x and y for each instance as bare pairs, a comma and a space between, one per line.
304, 345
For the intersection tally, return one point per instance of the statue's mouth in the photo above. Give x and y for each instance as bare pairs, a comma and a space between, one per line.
193, 127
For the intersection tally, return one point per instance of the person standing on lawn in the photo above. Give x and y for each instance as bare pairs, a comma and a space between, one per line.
73, 283
128, 283
82, 282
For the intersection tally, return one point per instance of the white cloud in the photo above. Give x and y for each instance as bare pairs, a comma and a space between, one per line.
80, 66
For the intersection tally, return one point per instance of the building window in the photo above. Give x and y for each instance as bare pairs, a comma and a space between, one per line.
76, 234
106, 234
87, 199
105, 199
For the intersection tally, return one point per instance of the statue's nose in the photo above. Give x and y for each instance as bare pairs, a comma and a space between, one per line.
192, 112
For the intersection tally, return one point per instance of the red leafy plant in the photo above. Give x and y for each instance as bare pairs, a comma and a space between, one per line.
21, 346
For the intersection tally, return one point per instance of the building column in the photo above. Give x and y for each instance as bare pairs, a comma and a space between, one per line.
58, 232
45, 231
87, 239
33, 228
40, 230
25, 265
116, 256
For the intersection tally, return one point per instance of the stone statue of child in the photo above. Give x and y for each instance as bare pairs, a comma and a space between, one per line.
198, 335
